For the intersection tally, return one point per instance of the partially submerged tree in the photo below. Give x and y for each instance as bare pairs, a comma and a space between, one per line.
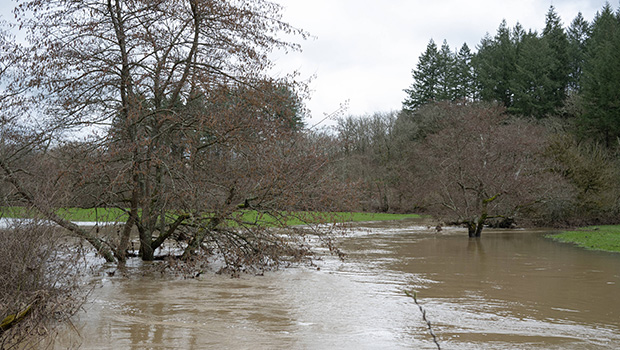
481, 166
188, 128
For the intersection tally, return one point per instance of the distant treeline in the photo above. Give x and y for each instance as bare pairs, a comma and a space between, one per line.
572, 72
525, 129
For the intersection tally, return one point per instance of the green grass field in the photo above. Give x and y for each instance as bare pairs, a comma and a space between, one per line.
297, 218
73, 214
605, 238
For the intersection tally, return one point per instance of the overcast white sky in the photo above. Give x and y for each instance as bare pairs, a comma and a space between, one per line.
364, 50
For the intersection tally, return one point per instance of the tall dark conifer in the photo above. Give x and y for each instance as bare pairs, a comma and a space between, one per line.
495, 65
465, 84
531, 82
425, 79
558, 74
446, 65
601, 79
441, 75
577, 35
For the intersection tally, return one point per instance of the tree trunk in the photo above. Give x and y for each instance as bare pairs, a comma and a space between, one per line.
147, 253
199, 237
478, 229
473, 229
164, 235
131, 221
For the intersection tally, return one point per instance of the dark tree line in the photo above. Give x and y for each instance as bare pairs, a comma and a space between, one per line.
523, 130
570, 72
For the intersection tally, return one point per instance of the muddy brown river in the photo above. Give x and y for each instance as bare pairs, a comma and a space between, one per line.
512, 289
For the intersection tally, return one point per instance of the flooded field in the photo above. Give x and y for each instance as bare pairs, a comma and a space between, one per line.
512, 289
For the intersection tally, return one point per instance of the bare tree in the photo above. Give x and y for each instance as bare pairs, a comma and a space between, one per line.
39, 283
480, 165
188, 130
370, 154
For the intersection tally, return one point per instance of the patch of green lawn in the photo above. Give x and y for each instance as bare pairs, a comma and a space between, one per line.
72, 214
302, 218
93, 214
295, 218
606, 237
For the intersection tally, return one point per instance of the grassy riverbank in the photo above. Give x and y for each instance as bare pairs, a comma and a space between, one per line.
606, 237
117, 215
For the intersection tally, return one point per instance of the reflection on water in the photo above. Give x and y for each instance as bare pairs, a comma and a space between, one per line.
507, 290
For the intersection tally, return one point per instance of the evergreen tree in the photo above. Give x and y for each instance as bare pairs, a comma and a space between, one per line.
446, 66
542, 69
465, 85
441, 75
495, 65
577, 34
425, 79
531, 82
558, 74
601, 79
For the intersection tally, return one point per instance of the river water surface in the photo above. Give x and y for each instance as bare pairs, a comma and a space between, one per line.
511, 289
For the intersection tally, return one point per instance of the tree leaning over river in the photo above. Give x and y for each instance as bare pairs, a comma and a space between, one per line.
189, 129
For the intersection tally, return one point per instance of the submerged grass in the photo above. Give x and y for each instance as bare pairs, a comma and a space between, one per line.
286, 218
605, 238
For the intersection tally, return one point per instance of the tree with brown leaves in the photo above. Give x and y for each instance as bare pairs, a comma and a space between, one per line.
480, 165
188, 130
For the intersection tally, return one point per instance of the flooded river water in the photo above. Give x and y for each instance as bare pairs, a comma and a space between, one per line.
511, 289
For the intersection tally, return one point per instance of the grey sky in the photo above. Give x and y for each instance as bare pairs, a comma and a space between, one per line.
364, 50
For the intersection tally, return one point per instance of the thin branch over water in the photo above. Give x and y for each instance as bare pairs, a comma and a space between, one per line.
428, 323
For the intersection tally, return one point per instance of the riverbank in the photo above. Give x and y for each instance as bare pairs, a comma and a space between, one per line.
605, 238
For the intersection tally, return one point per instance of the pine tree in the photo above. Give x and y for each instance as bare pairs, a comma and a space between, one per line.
600, 82
465, 84
557, 43
441, 75
424, 88
577, 34
542, 69
495, 65
531, 82
446, 65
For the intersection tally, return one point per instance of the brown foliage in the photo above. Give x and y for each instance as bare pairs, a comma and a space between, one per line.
189, 129
370, 155
590, 171
39, 281
481, 165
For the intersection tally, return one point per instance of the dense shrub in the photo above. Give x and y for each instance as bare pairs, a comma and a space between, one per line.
39, 284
